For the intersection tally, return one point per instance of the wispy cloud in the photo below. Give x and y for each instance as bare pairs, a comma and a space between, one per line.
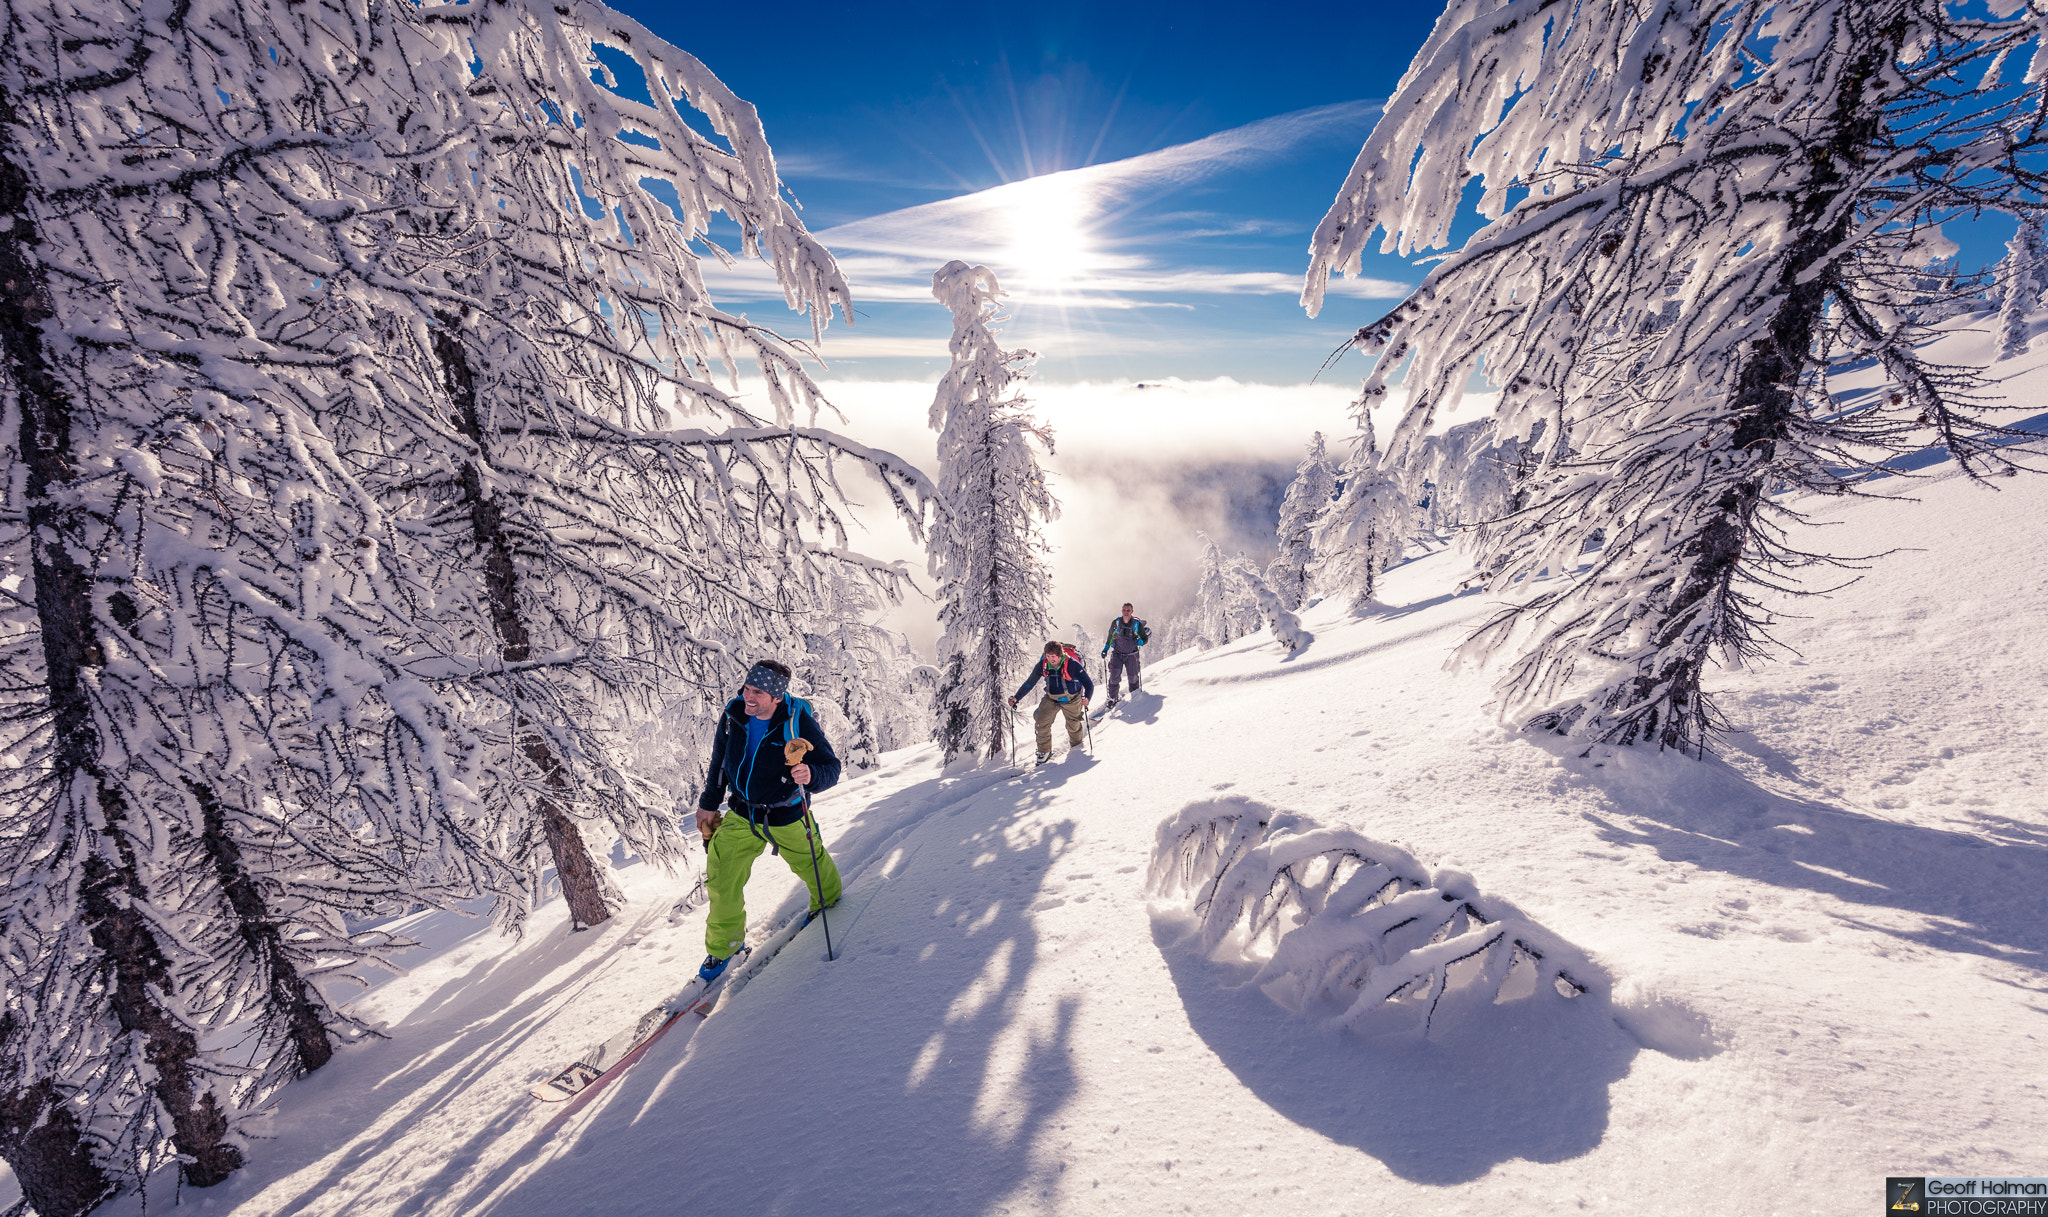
1080, 237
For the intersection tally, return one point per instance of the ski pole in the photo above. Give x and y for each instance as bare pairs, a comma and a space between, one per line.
793, 752
813, 834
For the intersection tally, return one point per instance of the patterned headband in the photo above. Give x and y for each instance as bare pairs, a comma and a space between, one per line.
768, 680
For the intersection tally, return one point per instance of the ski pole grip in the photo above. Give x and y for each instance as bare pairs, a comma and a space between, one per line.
793, 750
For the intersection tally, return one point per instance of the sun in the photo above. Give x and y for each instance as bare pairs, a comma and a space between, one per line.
1048, 219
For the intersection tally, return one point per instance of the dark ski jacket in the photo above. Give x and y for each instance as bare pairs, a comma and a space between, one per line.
762, 792
1126, 638
1067, 680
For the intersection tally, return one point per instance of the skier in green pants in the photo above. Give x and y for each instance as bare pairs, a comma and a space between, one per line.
767, 793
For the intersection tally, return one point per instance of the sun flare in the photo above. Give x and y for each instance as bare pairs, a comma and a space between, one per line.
1048, 220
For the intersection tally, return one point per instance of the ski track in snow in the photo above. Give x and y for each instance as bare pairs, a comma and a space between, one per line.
1828, 952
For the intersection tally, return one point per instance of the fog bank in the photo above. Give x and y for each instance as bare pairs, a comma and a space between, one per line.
1137, 468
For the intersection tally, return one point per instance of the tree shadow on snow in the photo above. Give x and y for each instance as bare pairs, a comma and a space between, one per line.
1391, 1008
367, 1116
804, 1093
1966, 893
1531, 1083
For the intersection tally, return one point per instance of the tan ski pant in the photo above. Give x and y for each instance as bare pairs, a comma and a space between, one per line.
1048, 709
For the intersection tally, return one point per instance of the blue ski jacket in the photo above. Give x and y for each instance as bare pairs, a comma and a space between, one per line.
1063, 681
759, 784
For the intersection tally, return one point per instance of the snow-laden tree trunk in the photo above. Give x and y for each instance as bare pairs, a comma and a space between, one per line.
1702, 607
299, 1006
40, 1135
41, 1138
582, 890
87, 810
987, 551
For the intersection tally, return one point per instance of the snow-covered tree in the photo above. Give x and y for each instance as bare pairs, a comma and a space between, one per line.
1308, 498
859, 675
2020, 279
1279, 619
223, 746
1174, 633
988, 548
1471, 475
1367, 530
1232, 599
630, 528
1225, 607
1941, 291
1083, 640
1692, 206
1210, 617
913, 722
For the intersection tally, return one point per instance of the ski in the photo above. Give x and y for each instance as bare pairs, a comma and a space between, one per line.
597, 1065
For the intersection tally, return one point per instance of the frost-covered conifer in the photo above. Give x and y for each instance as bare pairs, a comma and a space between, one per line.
1279, 619
1367, 529
1209, 616
1083, 640
1227, 604
1720, 195
1308, 498
1173, 634
859, 675
988, 549
2020, 279
913, 722
1472, 477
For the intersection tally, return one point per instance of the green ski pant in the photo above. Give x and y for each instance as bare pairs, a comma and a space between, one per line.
733, 850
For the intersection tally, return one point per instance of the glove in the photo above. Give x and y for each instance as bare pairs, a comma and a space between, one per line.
1105, 650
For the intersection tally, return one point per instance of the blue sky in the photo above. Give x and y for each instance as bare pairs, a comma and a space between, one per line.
1144, 178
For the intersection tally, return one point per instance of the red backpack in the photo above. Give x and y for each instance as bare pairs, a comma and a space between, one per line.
1067, 666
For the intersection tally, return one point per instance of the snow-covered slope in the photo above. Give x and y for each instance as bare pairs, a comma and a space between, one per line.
1813, 962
